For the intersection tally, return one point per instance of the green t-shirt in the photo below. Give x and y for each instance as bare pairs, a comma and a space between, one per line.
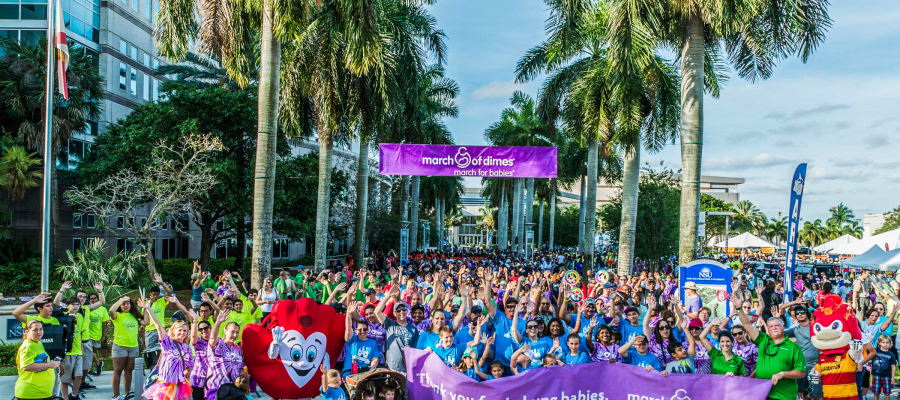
126, 330
81, 329
46, 321
33, 385
98, 317
159, 310
721, 367
774, 358
284, 288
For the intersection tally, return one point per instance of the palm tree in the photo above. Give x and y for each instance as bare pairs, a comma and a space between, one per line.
19, 171
776, 229
748, 216
442, 192
497, 191
813, 233
606, 106
22, 95
755, 34
841, 214
520, 125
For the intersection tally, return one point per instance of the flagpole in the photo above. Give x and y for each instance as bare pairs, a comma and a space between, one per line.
48, 155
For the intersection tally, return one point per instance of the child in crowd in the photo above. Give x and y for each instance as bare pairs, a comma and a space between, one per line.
884, 368
469, 367
388, 392
575, 356
496, 370
367, 395
331, 384
243, 382
683, 364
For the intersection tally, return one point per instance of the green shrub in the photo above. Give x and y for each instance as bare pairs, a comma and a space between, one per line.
8, 353
21, 276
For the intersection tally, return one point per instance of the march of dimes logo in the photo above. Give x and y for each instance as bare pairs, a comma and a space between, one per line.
463, 159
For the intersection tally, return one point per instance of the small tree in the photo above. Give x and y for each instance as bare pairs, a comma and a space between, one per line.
176, 177
120, 274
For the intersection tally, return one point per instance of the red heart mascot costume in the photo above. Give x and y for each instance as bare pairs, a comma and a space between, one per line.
837, 336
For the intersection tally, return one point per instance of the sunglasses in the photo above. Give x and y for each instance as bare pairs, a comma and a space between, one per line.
738, 333
401, 310
694, 328
661, 327
204, 329
531, 327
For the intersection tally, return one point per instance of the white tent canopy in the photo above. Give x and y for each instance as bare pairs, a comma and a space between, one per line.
744, 241
846, 239
865, 260
890, 239
891, 261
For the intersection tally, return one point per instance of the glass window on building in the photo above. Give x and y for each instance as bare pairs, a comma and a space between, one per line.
146, 60
134, 5
133, 90
147, 9
155, 10
134, 53
120, 222
123, 47
31, 38
10, 11
280, 248
123, 245
76, 244
123, 74
76, 220
146, 87
34, 11
155, 84
90, 221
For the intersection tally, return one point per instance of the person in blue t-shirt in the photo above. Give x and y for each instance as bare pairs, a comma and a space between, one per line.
361, 353
503, 346
632, 326
451, 353
574, 356
636, 352
331, 384
539, 347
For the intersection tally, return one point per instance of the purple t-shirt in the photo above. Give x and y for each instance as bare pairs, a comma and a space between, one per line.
693, 304
175, 358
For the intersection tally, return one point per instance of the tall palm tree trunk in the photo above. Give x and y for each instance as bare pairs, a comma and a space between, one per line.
503, 220
552, 211
404, 182
266, 140
590, 210
414, 214
517, 206
581, 214
362, 202
540, 238
326, 152
521, 218
692, 55
529, 205
630, 183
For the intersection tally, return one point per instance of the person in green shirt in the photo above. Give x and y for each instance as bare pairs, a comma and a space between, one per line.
36, 370
239, 313
158, 306
286, 285
98, 318
88, 310
126, 320
42, 305
73, 372
724, 361
779, 359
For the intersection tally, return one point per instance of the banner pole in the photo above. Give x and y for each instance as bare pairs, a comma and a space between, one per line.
48, 156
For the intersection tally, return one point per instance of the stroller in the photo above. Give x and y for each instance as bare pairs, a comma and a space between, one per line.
375, 380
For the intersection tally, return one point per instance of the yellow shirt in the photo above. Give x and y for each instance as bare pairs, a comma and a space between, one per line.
97, 318
33, 385
46, 321
158, 308
126, 330
80, 333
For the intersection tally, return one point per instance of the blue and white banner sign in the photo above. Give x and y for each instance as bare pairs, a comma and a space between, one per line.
790, 256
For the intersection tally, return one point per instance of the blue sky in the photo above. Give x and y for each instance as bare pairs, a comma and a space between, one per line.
839, 112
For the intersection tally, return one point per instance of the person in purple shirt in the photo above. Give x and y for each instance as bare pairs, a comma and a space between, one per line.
200, 332
175, 362
226, 360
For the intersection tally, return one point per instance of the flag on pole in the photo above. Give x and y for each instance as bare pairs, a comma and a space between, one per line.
62, 51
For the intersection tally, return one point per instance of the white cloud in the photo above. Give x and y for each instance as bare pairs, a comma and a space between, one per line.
496, 89
762, 160
844, 174
895, 177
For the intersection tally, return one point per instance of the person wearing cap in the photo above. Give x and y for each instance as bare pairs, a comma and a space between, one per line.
504, 345
632, 326
371, 298
701, 356
692, 301
584, 316
399, 333
637, 352
466, 335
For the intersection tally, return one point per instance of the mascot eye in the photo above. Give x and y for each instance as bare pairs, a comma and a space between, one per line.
817, 327
311, 354
296, 353
837, 325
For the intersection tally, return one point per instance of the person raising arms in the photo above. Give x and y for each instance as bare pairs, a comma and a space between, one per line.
780, 359
724, 361
175, 361
126, 320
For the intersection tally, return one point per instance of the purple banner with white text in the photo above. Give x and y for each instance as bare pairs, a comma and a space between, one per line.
474, 161
429, 379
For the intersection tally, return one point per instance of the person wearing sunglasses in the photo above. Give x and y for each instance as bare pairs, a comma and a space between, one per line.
780, 359
200, 332
723, 361
399, 333
746, 350
361, 353
801, 334
701, 357
539, 347
660, 336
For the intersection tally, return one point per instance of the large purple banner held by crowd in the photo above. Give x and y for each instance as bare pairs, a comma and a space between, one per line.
474, 161
429, 379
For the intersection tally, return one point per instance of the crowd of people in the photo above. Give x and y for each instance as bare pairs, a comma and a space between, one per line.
486, 314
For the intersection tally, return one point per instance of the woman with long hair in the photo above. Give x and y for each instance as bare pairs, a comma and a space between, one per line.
555, 330
603, 348
744, 348
126, 320
659, 336
200, 334
723, 361
175, 361
267, 297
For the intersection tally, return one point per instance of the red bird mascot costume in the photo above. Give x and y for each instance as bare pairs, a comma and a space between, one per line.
837, 336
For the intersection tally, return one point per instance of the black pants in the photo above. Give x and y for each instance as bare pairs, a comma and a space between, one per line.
198, 393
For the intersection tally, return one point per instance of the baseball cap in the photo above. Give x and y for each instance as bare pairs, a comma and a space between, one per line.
590, 300
609, 285
401, 306
477, 310
370, 291
631, 309
454, 307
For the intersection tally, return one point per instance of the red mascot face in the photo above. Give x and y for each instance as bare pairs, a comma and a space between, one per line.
313, 334
835, 326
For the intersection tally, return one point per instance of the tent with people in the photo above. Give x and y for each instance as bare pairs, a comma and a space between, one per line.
865, 260
747, 240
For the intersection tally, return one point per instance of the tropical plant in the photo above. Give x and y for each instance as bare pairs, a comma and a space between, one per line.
444, 192
120, 274
631, 106
19, 171
813, 233
776, 229
748, 216
891, 221
23, 98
